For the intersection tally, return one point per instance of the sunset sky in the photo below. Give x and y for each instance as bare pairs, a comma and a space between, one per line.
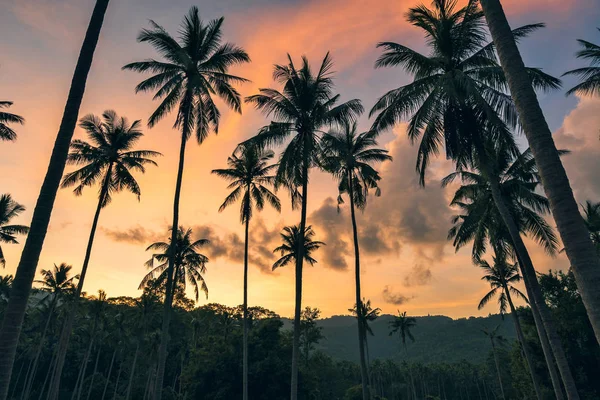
408, 263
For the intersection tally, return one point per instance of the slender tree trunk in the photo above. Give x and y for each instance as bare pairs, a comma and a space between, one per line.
497, 368
524, 346
21, 286
17, 380
29, 382
65, 335
364, 373
131, 374
117, 382
573, 232
86, 359
245, 306
529, 274
94, 374
163, 350
48, 374
299, 263
112, 360
26, 378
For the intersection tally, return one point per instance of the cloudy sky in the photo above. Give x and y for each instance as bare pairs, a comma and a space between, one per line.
408, 264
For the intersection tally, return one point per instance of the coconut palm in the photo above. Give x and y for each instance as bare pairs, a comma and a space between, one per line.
5, 284
591, 216
502, 277
369, 314
574, 235
9, 209
6, 133
250, 175
15, 312
194, 69
306, 106
402, 325
481, 222
348, 156
288, 250
108, 160
190, 265
494, 339
589, 76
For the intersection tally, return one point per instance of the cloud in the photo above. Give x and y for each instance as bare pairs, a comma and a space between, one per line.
391, 297
419, 275
134, 235
331, 227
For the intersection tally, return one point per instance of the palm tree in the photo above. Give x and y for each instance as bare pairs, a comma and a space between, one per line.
369, 314
502, 276
402, 324
480, 221
9, 209
195, 68
6, 133
190, 265
249, 174
348, 156
591, 216
288, 251
15, 312
589, 76
306, 105
575, 237
494, 337
108, 160
5, 284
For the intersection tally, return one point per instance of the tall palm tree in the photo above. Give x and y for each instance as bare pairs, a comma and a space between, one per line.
591, 216
571, 227
369, 314
494, 338
6, 133
190, 265
502, 276
250, 175
481, 221
589, 76
108, 160
9, 209
348, 156
288, 250
402, 325
195, 68
306, 105
15, 312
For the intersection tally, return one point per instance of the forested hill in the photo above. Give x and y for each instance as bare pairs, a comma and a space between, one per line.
437, 338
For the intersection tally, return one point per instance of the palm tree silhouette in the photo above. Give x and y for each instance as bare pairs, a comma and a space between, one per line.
5, 284
591, 216
495, 338
107, 160
348, 156
480, 221
249, 174
190, 265
195, 69
369, 314
15, 312
292, 238
9, 209
589, 76
402, 324
580, 249
6, 133
305, 106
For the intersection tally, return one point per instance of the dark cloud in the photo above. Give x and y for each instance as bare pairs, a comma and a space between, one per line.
331, 227
419, 275
134, 235
391, 297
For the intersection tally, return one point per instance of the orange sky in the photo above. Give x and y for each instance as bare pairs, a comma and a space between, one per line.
408, 264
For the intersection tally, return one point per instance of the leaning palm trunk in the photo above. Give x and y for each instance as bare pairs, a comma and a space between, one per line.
65, 335
299, 261
131, 374
534, 291
166, 322
21, 286
575, 237
364, 373
245, 306
26, 378
17, 380
79, 384
93, 374
112, 360
498, 368
117, 382
524, 346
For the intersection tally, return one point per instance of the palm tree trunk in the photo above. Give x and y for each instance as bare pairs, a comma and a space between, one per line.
112, 360
26, 378
94, 374
117, 382
29, 382
166, 322
575, 237
535, 293
497, 368
364, 374
21, 286
299, 263
131, 374
524, 346
65, 335
79, 384
245, 306
17, 380
48, 375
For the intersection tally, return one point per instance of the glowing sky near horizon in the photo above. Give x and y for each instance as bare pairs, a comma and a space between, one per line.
408, 264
